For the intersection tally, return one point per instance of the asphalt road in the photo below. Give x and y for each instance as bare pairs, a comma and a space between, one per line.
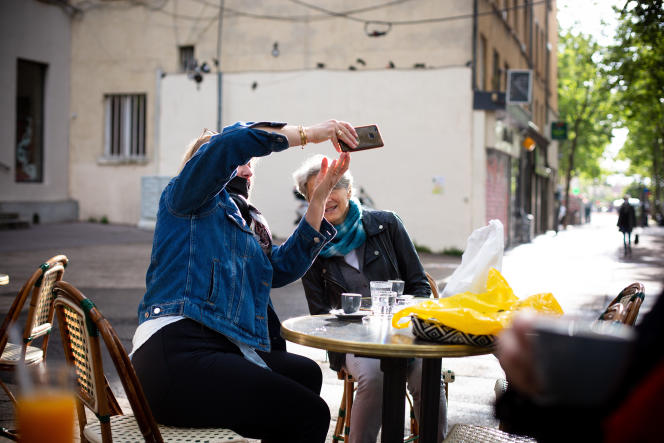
582, 266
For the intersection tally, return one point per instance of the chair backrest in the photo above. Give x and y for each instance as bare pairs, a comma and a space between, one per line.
39, 288
82, 326
625, 307
434, 286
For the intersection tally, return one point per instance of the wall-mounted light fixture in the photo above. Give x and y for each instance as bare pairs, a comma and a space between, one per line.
195, 71
529, 144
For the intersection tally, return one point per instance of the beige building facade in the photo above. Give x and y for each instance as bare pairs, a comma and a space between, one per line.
34, 113
518, 35
409, 67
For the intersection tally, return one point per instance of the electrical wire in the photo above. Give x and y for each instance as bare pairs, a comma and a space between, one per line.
345, 14
194, 24
297, 18
413, 22
331, 14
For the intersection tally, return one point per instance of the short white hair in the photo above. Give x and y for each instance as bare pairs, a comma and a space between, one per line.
310, 168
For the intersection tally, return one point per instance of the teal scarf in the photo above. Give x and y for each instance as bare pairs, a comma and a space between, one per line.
350, 233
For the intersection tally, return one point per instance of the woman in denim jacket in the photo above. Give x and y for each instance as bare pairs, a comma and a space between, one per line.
207, 350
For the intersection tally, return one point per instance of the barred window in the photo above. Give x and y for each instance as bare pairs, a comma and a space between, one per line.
125, 126
187, 59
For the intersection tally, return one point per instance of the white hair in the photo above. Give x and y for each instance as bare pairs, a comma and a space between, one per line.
310, 168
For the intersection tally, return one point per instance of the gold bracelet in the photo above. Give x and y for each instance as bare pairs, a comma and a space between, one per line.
303, 136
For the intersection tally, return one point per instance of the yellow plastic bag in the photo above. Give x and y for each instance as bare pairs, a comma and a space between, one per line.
479, 314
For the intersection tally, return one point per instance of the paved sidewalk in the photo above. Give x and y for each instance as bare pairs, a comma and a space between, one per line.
583, 267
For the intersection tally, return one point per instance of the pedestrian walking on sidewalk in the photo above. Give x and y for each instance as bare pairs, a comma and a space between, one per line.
369, 245
626, 223
207, 350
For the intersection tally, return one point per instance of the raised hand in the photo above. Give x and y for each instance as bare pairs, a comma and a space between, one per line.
329, 175
326, 180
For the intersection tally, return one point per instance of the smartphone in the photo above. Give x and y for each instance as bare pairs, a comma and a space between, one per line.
369, 139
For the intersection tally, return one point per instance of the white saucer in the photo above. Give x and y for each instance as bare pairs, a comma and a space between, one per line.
339, 313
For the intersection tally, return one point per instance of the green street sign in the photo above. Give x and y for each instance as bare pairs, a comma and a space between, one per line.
559, 130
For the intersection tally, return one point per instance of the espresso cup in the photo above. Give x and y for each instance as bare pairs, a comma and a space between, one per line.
350, 303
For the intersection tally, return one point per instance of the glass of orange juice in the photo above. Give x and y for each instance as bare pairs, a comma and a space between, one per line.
45, 408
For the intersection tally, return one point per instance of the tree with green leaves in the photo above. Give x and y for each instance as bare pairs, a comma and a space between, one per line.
584, 102
637, 75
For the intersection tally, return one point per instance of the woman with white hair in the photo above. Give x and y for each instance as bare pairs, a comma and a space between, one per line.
369, 245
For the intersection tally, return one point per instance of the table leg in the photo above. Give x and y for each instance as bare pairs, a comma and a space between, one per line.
394, 391
430, 400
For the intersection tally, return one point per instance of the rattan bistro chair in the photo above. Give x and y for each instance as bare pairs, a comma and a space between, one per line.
38, 289
433, 285
625, 307
461, 433
342, 429
82, 326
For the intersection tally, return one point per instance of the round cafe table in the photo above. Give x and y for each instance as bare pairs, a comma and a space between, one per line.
377, 338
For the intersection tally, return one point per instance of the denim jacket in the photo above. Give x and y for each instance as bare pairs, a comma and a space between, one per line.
206, 264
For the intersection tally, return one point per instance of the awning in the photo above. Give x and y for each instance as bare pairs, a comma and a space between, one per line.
533, 131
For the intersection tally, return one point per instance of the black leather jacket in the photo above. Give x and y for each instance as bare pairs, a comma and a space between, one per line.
389, 254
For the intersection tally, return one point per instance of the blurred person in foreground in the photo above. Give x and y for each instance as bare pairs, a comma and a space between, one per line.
626, 223
369, 245
208, 350
632, 414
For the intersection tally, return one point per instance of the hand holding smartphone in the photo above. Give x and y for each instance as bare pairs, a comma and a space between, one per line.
369, 138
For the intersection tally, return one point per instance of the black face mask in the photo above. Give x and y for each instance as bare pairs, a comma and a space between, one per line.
239, 185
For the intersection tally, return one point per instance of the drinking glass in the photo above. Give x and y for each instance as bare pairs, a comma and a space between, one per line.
46, 405
377, 287
397, 286
405, 300
380, 286
383, 303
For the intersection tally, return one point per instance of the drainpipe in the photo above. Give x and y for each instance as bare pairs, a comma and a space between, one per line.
547, 65
546, 116
530, 35
157, 119
474, 67
219, 82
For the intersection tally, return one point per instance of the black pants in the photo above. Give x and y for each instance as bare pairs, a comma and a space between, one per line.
193, 376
